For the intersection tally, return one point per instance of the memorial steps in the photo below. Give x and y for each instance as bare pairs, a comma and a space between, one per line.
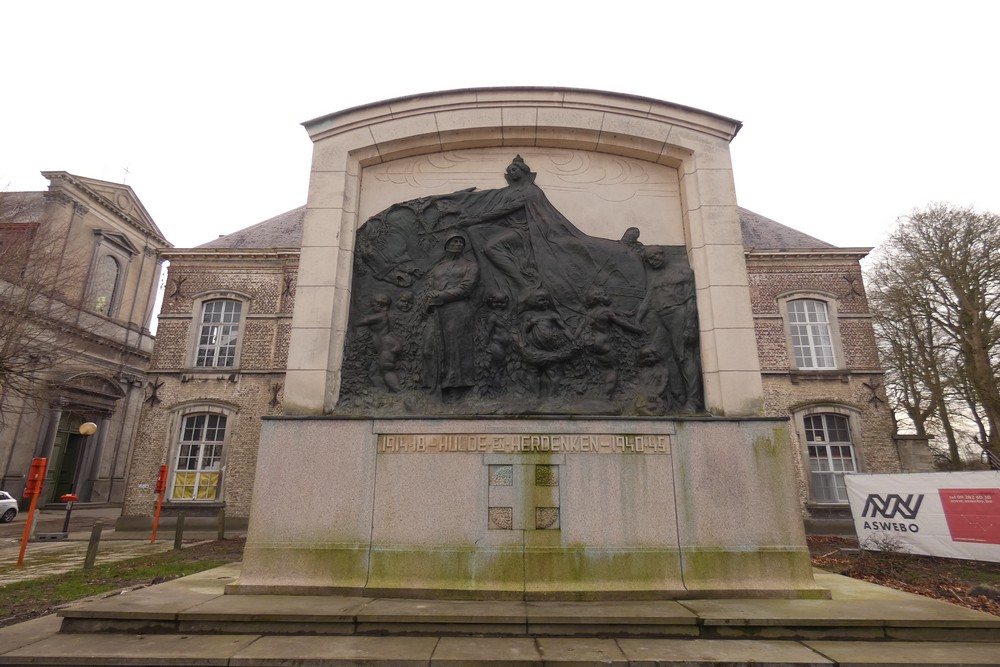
191, 621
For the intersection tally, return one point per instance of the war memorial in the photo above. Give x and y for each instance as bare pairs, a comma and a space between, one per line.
522, 363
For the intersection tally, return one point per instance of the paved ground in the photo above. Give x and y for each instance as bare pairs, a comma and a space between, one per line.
52, 520
46, 557
190, 621
862, 625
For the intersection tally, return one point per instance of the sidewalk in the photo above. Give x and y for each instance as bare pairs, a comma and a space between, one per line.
44, 558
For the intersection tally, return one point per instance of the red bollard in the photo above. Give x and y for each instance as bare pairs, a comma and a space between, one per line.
69, 499
33, 489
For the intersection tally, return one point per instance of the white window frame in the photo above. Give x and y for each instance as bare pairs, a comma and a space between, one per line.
833, 493
203, 468
198, 324
813, 331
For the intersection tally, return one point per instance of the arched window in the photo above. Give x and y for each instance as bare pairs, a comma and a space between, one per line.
809, 328
104, 287
218, 336
831, 456
198, 466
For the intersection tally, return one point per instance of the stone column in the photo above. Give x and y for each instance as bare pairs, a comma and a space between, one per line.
914, 453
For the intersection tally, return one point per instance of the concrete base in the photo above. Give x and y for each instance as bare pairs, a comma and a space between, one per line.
862, 624
50, 537
526, 509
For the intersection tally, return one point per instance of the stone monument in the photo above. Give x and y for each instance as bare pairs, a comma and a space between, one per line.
522, 363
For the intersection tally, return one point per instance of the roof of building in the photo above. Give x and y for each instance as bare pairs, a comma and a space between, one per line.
760, 233
22, 207
281, 231
285, 231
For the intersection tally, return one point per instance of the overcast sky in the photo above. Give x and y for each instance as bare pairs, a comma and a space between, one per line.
854, 112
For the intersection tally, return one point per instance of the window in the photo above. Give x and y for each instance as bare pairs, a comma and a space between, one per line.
105, 284
199, 457
219, 334
113, 252
831, 455
809, 328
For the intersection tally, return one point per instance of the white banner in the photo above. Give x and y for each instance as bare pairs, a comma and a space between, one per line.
950, 514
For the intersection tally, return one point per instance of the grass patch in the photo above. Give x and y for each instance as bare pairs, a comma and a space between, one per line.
979, 576
23, 600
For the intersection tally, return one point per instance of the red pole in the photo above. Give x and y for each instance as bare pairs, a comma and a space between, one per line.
161, 490
33, 489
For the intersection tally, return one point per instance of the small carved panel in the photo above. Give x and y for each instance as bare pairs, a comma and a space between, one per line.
546, 475
547, 518
501, 475
501, 518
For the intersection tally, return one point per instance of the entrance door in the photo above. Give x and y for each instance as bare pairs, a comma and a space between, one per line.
67, 451
67, 467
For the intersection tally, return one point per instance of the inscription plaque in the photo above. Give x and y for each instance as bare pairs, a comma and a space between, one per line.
514, 443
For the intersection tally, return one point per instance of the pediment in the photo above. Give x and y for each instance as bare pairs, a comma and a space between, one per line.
91, 384
118, 240
117, 198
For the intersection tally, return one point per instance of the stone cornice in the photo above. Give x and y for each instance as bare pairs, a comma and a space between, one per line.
525, 96
65, 198
840, 316
836, 374
175, 254
853, 254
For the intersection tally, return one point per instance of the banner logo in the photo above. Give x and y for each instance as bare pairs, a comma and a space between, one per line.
893, 505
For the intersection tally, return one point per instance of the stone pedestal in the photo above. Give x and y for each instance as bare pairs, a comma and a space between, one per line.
533, 508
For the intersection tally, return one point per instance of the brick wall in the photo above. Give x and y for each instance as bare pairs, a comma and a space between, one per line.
266, 284
855, 385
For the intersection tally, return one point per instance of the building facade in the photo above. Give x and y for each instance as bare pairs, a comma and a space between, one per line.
218, 366
212, 383
77, 291
819, 363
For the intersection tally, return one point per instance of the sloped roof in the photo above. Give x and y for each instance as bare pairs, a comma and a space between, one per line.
760, 233
22, 207
285, 231
281, 231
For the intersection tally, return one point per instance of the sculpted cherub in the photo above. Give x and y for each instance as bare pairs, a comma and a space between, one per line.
387, 345
595, 335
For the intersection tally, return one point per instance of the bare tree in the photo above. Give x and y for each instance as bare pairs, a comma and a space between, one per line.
40, 292
936, 297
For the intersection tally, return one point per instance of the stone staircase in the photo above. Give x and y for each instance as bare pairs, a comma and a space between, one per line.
191, 621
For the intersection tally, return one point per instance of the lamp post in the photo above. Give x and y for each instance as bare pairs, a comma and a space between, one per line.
86, 429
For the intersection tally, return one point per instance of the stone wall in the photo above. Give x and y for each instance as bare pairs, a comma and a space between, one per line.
96, 346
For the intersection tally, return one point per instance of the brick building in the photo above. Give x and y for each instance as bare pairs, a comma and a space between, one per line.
217, 367
79, 269
819, 363
221, 349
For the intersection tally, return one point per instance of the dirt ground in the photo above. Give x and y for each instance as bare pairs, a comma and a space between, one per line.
973, 584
